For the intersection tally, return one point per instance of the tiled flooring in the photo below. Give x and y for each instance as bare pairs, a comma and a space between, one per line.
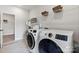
8, 38
15, 47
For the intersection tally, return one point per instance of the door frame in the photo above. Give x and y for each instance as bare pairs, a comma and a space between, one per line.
1, 41
2, 13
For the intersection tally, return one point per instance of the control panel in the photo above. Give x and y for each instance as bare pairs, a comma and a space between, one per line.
61, 37
34, 31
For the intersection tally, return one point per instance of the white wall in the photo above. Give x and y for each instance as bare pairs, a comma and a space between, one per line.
21, 16
67, 20
9, 26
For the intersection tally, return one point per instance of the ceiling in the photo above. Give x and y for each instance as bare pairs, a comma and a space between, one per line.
30, 7
27, 7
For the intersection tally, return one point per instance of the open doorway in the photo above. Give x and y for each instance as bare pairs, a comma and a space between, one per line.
8, 28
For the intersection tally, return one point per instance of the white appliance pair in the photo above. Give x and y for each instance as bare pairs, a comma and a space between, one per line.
49, 41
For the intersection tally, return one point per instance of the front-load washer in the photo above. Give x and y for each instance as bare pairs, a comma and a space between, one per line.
32, 38
55, 41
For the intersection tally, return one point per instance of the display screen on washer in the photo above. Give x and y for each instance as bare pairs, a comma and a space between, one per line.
34, 31
61, 37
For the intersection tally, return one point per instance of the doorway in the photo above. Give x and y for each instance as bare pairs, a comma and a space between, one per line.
8, 26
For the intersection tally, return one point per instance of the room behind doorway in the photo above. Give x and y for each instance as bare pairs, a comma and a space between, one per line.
8, 28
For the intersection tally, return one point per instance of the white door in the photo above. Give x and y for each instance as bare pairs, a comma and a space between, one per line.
1, 31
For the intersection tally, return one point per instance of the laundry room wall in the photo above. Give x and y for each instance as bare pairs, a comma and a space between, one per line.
66, 20
21, 16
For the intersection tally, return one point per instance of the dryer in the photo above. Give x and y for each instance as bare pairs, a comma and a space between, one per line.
55, 41
32, 40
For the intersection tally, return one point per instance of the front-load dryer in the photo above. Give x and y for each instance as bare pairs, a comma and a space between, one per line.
55, 41
32, 40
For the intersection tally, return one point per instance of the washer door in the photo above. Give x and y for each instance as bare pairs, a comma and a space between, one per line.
30, 40
48, 46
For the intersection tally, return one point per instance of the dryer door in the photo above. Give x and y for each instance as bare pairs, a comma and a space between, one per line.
48, 46
30, 40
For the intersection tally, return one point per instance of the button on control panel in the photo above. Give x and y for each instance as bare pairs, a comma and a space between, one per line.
34, 31
50, 35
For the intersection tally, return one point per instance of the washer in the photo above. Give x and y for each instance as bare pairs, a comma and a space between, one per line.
55, 41
32, 40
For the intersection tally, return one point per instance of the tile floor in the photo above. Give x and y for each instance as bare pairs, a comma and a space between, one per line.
15, 47
8, 38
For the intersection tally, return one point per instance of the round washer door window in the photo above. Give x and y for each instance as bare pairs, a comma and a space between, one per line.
48, 46
30, 40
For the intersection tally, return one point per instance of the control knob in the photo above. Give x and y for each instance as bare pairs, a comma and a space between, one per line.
50, 35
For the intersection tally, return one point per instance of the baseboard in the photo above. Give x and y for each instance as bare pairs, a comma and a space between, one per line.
9, 34
11, 42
